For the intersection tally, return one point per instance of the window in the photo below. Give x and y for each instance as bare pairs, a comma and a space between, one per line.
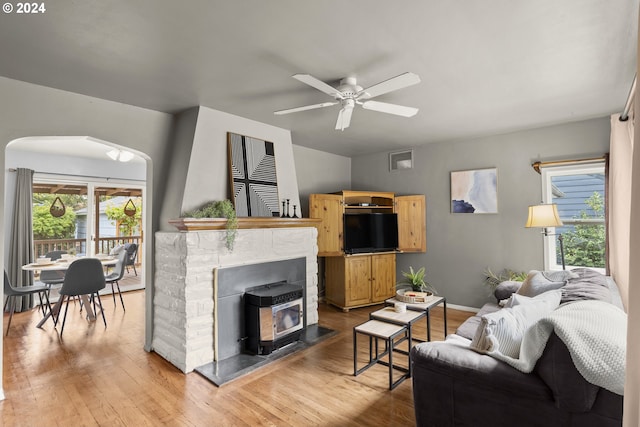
111, 216
579, 192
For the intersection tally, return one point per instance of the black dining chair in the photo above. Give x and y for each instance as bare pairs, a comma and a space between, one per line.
84, 277
12, 293
132, 251
53, 277
116, 275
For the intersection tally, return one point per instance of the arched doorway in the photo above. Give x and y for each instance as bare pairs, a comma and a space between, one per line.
77, 159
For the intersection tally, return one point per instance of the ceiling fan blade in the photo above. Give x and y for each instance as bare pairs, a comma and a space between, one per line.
306, 107
384, 107
394, 83
319, 84
344, 118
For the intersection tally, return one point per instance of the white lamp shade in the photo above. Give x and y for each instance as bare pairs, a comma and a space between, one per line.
543, 216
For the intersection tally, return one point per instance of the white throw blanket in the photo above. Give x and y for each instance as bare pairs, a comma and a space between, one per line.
595, 332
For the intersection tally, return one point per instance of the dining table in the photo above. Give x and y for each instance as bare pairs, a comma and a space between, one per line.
63, 265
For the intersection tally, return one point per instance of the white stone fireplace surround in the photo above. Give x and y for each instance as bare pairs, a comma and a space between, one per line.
183, 305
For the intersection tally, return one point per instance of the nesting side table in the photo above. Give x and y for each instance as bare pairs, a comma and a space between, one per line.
426, 307
392, 335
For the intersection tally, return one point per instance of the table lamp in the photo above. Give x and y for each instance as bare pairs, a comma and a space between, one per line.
543, 216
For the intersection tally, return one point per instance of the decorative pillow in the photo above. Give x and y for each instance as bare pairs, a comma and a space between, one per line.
502, 330
513, 300
538, 282
506, 288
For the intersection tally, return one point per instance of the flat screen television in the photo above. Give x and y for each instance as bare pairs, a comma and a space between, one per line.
370, 232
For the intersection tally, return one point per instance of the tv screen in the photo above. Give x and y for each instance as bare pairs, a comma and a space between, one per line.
370, 232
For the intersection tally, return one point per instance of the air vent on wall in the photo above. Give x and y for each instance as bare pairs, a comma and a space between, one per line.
401, 160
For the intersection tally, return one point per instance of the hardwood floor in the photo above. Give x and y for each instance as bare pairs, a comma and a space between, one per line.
103, 377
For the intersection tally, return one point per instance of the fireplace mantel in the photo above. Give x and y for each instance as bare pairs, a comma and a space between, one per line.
191, 224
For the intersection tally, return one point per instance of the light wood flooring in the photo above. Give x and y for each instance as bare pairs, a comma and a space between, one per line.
103, 377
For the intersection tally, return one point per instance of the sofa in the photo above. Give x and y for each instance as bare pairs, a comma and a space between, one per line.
455, 383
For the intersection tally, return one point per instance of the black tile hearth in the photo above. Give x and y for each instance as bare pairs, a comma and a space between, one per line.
236, 366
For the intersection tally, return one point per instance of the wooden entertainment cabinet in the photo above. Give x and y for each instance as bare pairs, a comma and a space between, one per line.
359, 280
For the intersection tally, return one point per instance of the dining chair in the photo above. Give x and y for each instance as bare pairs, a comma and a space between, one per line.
84, 276
116, 275
132, 251
12, 293
53, 277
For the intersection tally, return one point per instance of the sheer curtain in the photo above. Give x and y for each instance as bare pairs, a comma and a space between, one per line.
632, 385
21, 246
619, 197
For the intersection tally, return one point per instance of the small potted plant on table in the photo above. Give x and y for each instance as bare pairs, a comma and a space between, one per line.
413, 288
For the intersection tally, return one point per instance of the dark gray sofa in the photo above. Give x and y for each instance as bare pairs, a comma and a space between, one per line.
456, 386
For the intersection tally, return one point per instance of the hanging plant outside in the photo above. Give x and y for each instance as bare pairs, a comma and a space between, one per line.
57, 208
130, 208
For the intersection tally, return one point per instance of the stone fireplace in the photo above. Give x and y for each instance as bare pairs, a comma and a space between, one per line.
187, 264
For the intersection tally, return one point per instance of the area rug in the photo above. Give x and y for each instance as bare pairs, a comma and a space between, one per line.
234, 367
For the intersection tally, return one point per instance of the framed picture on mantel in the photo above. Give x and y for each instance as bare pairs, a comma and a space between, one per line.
253, 179
474, 191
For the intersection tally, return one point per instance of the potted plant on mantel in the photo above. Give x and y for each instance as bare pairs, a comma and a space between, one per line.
414, 288
218, 209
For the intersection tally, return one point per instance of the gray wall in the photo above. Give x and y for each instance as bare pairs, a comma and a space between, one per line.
461, 246
320, 172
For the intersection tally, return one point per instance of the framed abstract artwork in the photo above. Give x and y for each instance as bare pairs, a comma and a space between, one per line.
252, 169
474, 191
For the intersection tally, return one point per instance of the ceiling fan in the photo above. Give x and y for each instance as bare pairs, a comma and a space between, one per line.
349, 93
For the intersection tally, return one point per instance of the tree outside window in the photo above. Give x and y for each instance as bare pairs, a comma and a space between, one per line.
579, 193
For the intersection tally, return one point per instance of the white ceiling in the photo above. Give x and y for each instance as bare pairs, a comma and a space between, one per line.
487, 66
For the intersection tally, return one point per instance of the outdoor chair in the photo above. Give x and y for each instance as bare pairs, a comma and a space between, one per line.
13, 293
132, 251
84, 277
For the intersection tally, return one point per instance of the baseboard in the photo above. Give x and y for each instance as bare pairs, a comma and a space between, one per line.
463, 308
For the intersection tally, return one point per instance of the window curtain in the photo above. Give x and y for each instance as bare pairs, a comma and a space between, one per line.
21, 245
619, 201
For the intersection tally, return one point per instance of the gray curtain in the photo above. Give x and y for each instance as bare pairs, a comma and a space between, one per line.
21, 246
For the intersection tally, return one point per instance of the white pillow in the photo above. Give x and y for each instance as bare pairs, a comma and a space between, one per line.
513, 300
502, 331
538, 282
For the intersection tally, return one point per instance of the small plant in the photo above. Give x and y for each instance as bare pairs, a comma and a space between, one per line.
218, 209
415, 279
492, 279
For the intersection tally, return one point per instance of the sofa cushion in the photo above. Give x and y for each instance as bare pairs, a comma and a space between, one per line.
502, 330
538, 282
